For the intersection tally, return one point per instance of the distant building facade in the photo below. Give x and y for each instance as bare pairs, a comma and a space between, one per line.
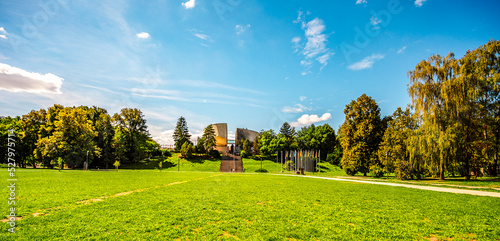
220, 136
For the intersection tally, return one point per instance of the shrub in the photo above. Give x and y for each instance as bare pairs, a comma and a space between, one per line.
261, 170
333, 159
187, 150
166, 153
214, 154
350, 171
376, 171
243, 154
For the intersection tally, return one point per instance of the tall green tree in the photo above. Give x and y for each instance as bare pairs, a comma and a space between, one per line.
132, 134
31, 125
208, 138
361, 135
265, 143
71, 139
181, 133
393, 151
428, 82
288, 133
477, 93
46, 130
105, 131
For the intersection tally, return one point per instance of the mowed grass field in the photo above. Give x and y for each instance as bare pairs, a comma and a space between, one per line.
153, 205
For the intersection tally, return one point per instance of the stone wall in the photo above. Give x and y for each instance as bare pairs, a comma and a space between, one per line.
242, 134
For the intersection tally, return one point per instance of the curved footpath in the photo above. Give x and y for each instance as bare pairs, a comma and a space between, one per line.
430, 188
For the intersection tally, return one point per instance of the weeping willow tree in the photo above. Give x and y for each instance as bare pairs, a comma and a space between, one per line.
457, 102
428, 85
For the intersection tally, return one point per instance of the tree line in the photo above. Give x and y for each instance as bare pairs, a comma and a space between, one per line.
452, 126
72, 136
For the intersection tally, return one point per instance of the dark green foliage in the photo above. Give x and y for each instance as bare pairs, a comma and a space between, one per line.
377, 171
214, 154
208, 138
187, 150
200, 146
361, 134
333, 158
131, 135
181, 134
243, 154
246, 145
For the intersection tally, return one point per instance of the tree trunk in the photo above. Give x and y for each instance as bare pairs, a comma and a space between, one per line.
441, 171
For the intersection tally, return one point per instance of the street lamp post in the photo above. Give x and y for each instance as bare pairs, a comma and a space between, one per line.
87, 163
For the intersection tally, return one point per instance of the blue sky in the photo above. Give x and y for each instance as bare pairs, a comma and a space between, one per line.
251, 64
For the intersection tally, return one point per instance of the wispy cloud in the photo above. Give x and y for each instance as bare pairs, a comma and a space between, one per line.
210, 84
189, 4
297, 108
366, 63
419, 3
143, 35
306, 119
3, 33
360, 1
241, 28
302, 98
13, 79
375, 22
202, 36
402, 50
199, 34
315, 42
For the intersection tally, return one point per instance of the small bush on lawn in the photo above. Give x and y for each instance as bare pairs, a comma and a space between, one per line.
214, 154
376, 171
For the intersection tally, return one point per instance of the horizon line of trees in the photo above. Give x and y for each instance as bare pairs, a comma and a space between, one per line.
71, 136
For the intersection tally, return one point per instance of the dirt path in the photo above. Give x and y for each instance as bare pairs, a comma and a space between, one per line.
430, 188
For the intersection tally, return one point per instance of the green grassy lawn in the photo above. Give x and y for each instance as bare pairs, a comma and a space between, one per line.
174, 163
212, 206
327, 169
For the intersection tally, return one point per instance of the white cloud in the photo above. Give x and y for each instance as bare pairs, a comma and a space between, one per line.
189, 4
299, 17
241, 29
419, 3
202, 36
4, 35
366, 63
315, 46
402, 50
360, 1
297, 108
306, 63
375, 21
302, 98
143, 35
306, 119
13, 79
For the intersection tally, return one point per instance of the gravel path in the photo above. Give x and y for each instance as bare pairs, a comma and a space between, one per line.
430, 188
